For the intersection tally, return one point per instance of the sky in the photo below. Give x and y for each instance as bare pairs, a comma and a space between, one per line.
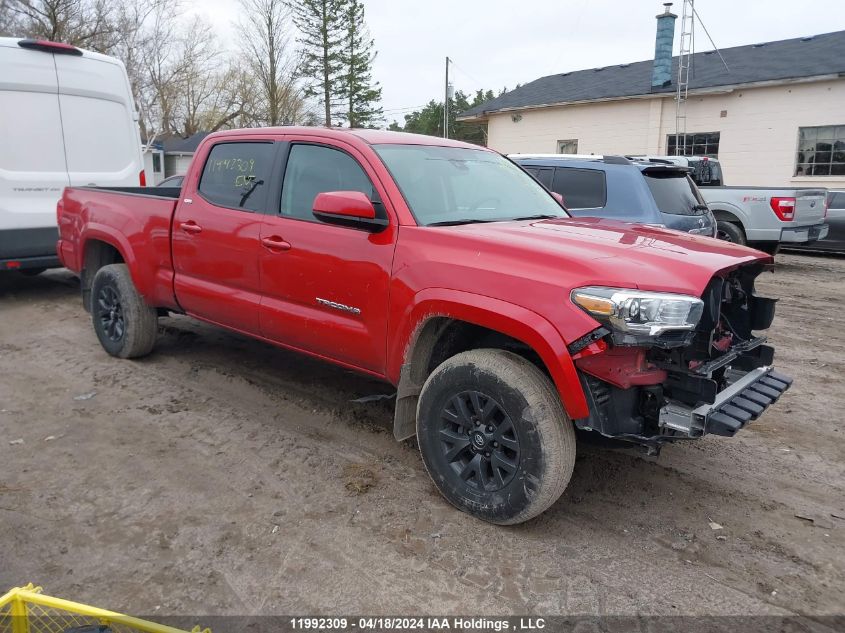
500, 43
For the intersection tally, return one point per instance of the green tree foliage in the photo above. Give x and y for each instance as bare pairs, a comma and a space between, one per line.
357, 90
321, 25
429, 120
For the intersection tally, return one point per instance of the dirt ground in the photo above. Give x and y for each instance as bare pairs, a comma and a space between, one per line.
223, 476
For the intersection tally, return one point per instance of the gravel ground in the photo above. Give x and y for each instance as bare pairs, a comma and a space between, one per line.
223, 476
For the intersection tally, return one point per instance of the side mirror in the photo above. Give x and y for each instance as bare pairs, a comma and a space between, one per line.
559, 198
348, 208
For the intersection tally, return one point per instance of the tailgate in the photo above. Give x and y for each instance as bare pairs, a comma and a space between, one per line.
809, 206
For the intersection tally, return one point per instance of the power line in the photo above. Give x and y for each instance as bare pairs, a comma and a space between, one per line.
406, 108
477, 83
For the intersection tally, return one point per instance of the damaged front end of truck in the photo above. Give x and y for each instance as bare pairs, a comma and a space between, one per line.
665, 367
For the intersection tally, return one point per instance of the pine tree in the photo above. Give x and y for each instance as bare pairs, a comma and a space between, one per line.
360, 94
321, 24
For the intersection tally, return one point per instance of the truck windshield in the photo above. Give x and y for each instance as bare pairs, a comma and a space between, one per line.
455, 185
674, 192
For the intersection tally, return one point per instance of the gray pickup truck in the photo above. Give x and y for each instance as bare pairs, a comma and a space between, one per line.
763, 217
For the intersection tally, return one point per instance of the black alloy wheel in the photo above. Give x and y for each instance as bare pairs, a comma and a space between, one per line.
125, 325
479, 441
110, 313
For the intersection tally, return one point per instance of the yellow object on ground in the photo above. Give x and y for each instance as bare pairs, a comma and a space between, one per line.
27, 610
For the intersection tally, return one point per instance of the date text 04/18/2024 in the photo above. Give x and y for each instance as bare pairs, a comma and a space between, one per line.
418, 623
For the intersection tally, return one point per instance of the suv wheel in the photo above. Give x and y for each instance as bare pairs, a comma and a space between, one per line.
125, 325
494, 436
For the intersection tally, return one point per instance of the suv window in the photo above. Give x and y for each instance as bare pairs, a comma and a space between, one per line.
543, 175
674, 192
236, 175
581, 188
313, 169
837, 200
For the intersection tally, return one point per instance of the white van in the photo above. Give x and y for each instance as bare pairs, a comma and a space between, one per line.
67, 117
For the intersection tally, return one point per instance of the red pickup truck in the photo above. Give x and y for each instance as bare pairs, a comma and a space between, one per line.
446, 270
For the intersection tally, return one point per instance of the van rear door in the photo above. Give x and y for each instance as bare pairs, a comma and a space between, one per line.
33, 172
102, 142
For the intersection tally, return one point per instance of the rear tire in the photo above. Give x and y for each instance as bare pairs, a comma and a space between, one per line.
730, 232
125, 325
494, 436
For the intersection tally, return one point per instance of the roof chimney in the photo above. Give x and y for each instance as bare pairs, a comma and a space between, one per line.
661, 74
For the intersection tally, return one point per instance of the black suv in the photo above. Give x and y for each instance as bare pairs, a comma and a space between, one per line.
615, 187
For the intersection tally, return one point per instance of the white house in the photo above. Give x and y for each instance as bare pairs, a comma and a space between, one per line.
774, 117
169, 155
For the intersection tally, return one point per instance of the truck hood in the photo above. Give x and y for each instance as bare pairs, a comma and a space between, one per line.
598, 251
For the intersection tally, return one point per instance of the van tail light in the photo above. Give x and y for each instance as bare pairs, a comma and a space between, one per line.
60, 207
60, 48
784, 208
826, 205
142, 178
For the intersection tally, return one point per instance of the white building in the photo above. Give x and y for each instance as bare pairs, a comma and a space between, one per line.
169, 155
775, 118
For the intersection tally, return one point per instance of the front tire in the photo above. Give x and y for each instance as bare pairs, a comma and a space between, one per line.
494, 436
125, 325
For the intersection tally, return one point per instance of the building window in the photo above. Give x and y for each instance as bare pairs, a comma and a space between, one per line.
569, 146
156, 163
698, 144
821, 151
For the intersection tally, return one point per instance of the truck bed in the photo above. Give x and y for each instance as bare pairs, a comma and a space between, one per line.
135, 220
751, 207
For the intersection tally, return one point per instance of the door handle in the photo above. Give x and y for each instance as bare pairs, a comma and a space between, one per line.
275, 243
191, 227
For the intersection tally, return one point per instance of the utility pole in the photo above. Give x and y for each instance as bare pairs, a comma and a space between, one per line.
446, 103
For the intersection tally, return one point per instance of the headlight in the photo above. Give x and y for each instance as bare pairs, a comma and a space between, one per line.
637, 317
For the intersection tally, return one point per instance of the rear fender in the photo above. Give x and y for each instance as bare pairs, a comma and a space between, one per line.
725, 211
500, 316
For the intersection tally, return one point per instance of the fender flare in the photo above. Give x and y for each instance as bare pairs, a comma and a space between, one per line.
108, 235
501, 316
724, 208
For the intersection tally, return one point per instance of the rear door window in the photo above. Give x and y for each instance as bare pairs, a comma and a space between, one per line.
581, 188
674, 192
236, 175
837, 200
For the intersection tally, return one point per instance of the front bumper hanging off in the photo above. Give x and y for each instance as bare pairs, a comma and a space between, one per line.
744, 399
